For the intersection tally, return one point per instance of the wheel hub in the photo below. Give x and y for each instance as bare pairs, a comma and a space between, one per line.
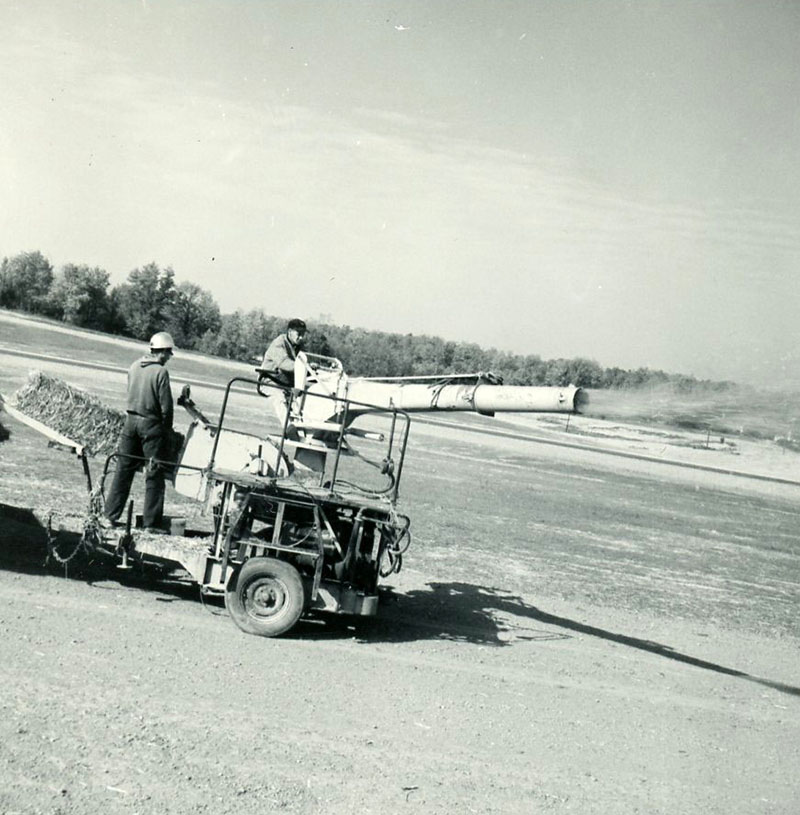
265, 597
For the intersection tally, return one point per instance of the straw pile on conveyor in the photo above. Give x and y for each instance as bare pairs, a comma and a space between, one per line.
71, 411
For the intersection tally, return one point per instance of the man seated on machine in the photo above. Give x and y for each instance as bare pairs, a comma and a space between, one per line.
279, 360
280, 366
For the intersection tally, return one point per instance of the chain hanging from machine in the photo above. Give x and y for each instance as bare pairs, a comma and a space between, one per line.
90, 537
397, 544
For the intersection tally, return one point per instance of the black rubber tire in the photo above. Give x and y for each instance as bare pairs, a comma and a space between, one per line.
265, 597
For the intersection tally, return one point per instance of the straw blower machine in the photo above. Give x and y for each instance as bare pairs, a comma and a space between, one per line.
304, 518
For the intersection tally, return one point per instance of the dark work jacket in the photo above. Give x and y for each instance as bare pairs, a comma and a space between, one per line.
149, 393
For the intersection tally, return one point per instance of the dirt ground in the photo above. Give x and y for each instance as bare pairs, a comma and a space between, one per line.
573, 632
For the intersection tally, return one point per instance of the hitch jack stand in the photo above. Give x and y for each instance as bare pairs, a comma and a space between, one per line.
125, 540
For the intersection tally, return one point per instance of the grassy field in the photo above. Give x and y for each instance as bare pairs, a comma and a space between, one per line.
49, 338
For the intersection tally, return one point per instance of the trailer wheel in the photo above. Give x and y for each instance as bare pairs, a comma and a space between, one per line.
266, 597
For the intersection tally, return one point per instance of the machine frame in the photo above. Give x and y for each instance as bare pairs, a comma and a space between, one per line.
280, 547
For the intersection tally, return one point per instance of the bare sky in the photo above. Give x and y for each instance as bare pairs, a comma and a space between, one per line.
615, 180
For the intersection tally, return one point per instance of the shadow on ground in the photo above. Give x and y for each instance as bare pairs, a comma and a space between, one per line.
455, 611
491, 616
24, 549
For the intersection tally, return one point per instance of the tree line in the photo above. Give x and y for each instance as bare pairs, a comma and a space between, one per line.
150, 300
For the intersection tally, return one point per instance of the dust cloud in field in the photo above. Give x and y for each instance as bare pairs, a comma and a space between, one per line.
732, 409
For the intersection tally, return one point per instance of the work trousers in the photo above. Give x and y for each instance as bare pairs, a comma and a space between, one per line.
141, 437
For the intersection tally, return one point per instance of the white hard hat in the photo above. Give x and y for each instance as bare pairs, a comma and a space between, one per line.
161, 342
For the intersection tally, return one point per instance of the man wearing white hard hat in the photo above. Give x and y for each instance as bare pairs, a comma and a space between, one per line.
147, 428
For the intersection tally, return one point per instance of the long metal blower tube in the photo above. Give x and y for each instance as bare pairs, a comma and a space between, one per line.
482, 398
